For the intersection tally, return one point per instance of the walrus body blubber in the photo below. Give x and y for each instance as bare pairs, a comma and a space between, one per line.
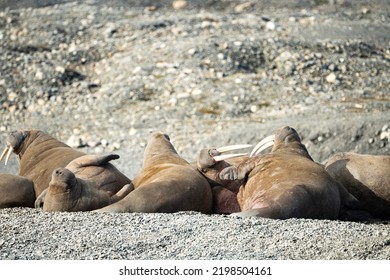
16, 191
68, 193
166, 183
285, 183
365, 176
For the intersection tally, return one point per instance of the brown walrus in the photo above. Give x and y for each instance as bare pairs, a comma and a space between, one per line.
16, 191
210, 162
285, 183
40, 154
166, 183
365, 176
68, 193
96, 169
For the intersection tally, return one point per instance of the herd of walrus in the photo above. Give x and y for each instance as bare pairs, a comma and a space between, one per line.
279, 183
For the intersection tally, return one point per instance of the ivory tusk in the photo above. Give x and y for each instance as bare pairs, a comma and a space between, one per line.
232, 148
10, 150
263, 144
227, 156
4, 153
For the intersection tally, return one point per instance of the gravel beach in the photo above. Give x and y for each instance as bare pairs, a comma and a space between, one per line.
208, 73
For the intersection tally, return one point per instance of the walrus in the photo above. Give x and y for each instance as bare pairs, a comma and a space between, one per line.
285, 183
40, 154
16, 191
68, 193
166, 183
209, 163
365, 176
96, 169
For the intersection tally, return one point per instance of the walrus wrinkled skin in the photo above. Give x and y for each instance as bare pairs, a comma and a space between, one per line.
166, 183
285, 183
224, 191
365, 176
68, 193
16, 191
98, 171
39, 154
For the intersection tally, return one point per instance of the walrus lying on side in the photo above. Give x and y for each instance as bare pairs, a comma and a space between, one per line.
210, 162
40, 154
166, 183
68, 193
16, 191
365, 176
285, 183
98, 171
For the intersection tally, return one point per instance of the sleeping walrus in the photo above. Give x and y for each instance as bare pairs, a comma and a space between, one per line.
97, 170
68, 193
166, 183
367, 177
285, 183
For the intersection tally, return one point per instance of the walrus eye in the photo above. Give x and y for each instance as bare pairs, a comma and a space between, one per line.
167, 137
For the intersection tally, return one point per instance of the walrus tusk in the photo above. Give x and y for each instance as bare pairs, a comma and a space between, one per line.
10, 150
227, 156
4, 152
232, 148
262, 145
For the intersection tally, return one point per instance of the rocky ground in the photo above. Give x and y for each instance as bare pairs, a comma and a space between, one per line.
208, 73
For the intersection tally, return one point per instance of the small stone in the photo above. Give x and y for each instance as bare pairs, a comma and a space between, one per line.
331, 78
270, 25
191, 51
179, 4
39, 75
385, 135
254, 108
74, 141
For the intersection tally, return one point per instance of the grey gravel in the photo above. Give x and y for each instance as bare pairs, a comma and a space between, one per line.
101, 78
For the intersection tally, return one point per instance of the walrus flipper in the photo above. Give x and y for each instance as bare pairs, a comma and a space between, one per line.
93, 160
125, 190
40, 199
240, 171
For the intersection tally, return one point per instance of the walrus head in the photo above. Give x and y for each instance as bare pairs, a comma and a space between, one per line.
62, 179
62, 187
209, 157
14, 143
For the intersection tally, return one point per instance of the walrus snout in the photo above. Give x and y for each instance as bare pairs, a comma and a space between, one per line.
12, 144
63, 176
209, 157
